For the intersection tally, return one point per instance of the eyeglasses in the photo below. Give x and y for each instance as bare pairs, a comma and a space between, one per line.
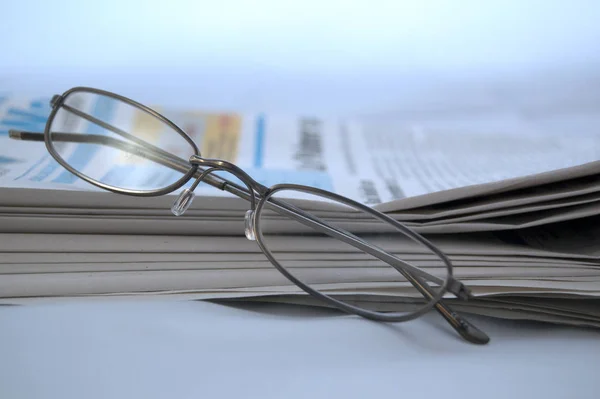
119, 145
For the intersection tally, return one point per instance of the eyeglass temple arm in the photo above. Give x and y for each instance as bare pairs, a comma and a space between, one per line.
164, 158
464, 328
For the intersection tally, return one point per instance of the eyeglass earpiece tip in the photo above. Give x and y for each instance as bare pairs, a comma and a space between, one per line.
471, 333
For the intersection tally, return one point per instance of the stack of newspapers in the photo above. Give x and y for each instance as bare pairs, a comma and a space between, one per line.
516, 210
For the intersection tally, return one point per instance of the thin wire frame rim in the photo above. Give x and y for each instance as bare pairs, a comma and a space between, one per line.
392, 317
463, 327
139, 193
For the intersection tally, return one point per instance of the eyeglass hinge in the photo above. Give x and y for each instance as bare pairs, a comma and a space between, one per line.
459, 289
56, 100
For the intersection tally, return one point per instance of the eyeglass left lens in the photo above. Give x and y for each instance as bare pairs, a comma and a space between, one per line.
117, 144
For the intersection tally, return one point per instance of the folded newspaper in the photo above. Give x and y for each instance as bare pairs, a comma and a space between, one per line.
517, 212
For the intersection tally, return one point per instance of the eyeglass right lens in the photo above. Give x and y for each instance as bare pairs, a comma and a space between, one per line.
115, 143
340, 270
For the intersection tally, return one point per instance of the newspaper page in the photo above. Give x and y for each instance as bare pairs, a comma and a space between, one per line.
371, 162
414, 160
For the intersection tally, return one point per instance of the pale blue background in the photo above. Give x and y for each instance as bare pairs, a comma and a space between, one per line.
314, 55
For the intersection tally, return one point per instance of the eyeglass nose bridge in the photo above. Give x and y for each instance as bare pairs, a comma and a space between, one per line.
184, 200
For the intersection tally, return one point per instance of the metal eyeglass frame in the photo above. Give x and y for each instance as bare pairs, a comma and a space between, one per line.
259, 197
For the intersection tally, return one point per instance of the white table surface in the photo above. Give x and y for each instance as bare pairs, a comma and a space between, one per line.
152, 349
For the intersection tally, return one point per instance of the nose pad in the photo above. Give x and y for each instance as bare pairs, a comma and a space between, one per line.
183, 202
249, 225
